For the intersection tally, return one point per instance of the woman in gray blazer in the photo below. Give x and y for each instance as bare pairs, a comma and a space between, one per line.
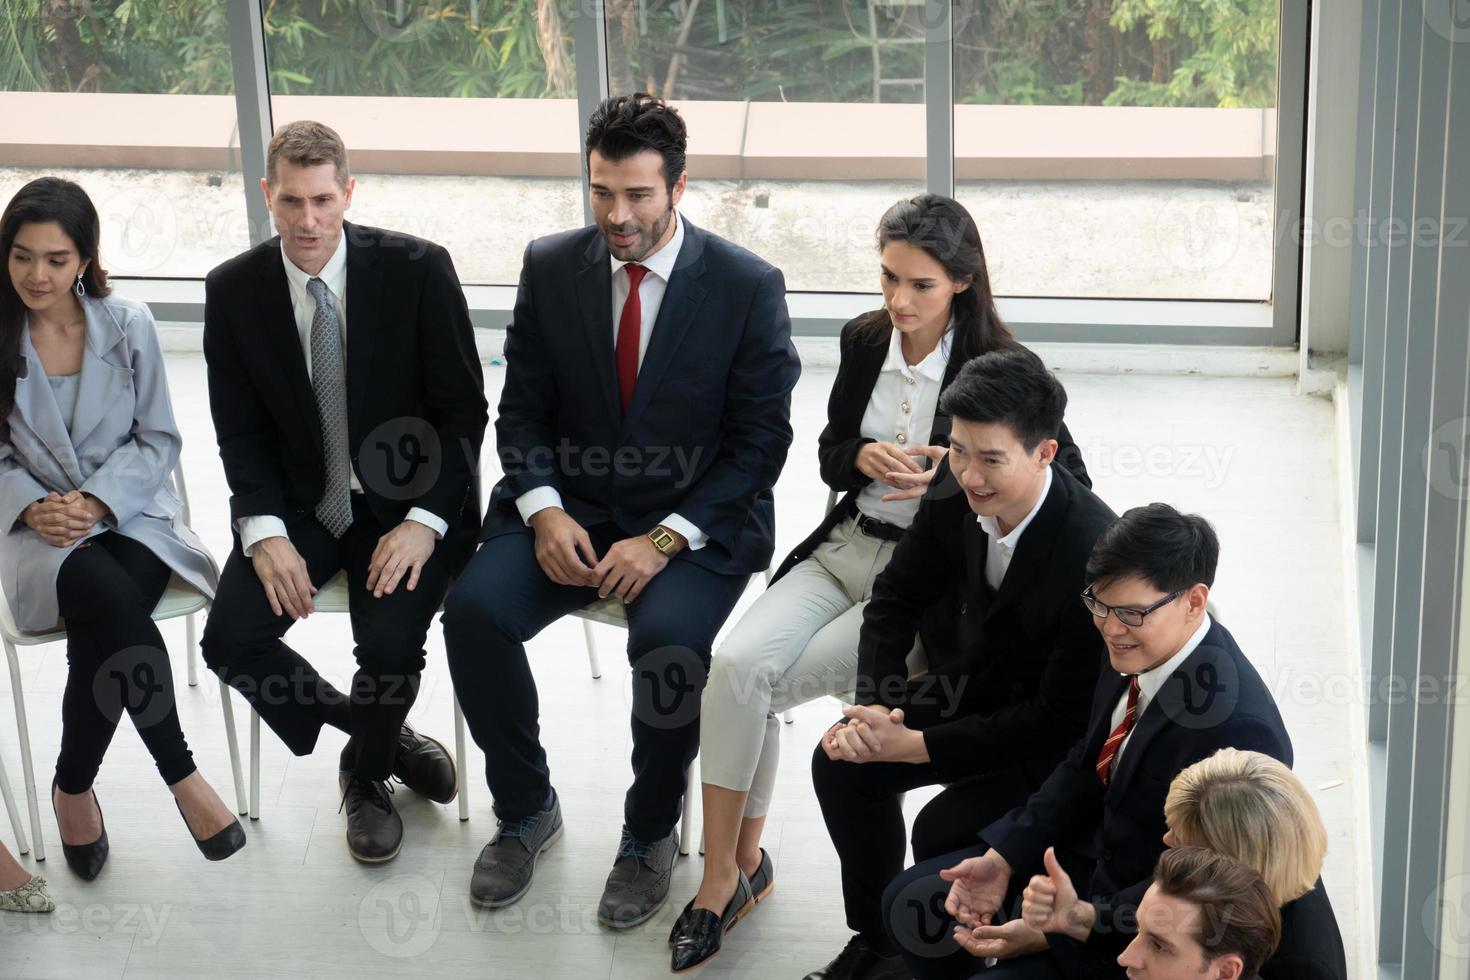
87, 448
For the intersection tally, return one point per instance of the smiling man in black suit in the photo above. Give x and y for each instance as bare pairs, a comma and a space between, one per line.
644, 420
349, 407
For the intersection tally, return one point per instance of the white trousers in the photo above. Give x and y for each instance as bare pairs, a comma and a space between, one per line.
797, 642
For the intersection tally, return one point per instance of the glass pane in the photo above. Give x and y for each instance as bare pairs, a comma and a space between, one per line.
84, 75
805, 120
1119, 148
460, 118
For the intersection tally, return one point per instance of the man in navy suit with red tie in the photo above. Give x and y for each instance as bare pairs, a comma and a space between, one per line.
644, 420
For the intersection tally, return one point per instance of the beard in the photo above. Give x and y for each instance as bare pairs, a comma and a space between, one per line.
647, 238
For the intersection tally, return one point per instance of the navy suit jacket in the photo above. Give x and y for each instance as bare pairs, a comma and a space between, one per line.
709, 425
1214, 700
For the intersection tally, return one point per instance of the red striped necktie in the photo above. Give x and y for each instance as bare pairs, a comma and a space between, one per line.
1115, 740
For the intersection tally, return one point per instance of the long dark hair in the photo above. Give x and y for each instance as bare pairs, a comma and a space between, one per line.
948, 234
42, 200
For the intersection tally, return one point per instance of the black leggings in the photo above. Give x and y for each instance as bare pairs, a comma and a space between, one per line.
106, 591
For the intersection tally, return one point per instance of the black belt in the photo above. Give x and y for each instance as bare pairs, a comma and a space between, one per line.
882, 530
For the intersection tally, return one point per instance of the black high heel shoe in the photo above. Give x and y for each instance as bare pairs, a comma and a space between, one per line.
222, 844
84, 859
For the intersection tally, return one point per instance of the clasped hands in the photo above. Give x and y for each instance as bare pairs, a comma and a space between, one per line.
895, 466
1049, 905
61, 519
564, 552
873, 733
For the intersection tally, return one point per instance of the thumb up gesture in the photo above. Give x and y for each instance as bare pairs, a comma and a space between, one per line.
1050, 902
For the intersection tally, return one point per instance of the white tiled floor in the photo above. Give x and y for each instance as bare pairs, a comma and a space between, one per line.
1252, 456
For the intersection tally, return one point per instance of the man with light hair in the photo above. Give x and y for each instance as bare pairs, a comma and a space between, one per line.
349, 406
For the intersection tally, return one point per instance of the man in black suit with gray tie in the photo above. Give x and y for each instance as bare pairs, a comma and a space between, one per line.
349, 407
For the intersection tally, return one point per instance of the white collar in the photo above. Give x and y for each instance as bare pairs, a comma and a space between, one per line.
990, 527
661, 262
334, 273
1150, 682
933, 364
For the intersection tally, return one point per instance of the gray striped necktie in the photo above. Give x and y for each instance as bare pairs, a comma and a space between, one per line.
328, 381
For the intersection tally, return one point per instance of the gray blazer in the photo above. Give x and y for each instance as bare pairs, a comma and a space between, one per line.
122, 449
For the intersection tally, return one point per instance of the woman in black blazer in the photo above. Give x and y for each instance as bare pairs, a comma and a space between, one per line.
883, 440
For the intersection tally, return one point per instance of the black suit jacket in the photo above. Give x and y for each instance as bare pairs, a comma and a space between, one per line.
1311, 943
862, 354
1214, 700
1018, 666
708, 429
416, 408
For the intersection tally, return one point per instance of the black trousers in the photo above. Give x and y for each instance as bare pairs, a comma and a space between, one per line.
502, 599
862, 805
916, 922
106, 591
242, 644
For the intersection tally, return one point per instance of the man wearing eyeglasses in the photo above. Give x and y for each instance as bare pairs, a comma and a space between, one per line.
1179, 689
988, 574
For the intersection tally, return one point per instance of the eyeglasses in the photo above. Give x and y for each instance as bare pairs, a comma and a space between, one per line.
1128, 617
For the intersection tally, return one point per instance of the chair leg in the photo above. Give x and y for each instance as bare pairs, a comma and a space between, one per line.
459, 758
22, 845
190, 637
691, 791
591, 649
788, 717
242, 806
254, 764
27, 769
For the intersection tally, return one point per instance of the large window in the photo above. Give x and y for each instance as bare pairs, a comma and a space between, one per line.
460, 118
134, 102
806, 120
1119, 148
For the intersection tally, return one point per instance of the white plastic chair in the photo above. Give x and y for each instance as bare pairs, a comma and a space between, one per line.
179, 599
332, 598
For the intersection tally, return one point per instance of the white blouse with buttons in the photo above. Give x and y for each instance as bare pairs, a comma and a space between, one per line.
901, 410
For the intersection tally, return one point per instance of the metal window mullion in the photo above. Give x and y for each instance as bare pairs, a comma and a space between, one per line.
246, 24
1291, 134
1401, 483
589, 49
939, 96
1446, 277
1367, 88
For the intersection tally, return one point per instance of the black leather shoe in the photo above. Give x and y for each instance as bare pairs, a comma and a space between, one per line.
639, 881
425, 766
698, 932
374, 829
221, 844
84, 859
764, 879
858, 961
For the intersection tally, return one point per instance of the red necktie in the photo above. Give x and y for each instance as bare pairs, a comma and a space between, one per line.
1115, 740
629, 326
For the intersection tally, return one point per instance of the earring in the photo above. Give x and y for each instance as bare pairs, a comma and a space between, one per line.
79, 288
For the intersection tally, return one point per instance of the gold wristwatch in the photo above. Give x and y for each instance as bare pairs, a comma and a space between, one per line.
663, 539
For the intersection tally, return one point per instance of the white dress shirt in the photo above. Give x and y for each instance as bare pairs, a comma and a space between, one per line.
901, 410
1000, 550
1150, 682
303, 305
660, 266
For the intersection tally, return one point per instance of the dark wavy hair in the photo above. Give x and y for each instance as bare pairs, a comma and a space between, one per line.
946, 232
1155, 542
628, 124
42, 200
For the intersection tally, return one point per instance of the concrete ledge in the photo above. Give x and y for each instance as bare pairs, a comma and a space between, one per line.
734, 140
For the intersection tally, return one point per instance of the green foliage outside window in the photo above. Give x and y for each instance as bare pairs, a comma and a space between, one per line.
1047, 52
